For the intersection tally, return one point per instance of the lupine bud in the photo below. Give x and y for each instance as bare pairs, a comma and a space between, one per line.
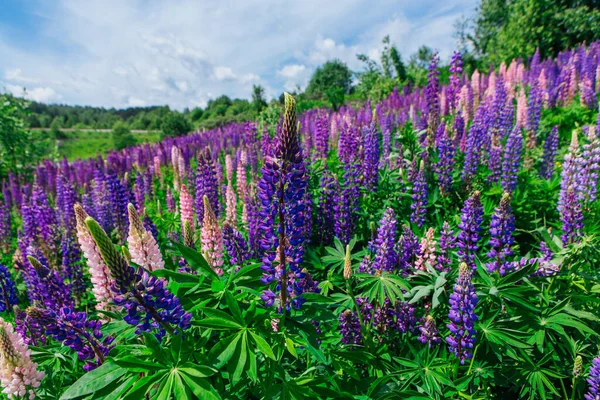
347, 264
577, 366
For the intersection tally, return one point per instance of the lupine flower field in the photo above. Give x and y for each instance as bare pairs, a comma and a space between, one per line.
443, 243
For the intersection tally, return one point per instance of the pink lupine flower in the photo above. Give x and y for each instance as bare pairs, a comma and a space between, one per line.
522, 109
157, 165
142, 245
242, 177
186, 206
100, 274
229, 167
212, 239
18, 374
427, 253
230, 205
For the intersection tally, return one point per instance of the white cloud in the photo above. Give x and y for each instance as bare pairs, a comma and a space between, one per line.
135, 102
39, 94
185, 52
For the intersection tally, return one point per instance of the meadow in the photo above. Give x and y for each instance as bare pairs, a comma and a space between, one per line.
82, 144
441, 243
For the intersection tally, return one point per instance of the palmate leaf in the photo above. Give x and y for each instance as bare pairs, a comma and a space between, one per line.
384, 286
94, 381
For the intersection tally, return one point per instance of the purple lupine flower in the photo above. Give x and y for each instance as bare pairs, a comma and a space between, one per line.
206, 184
330, 188
8, 292
404, 314
386, 257
429, 331
371, 157
512, 160
447, 244
502, 227
75, 330
462, 315
148, 304
322, 137
346, 205
534, 108
571, 216
419, 197
588, 167
569, 172
445, 165
550, 148
32, 332
432, 94
236, 245
470, 226
251, 208
118, 200
50, 286
281, 191
350, 328
594, 381
407, 248
171, 205
5, 228
456, 69
495, 159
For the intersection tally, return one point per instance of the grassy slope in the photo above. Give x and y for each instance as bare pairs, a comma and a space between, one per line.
86, 144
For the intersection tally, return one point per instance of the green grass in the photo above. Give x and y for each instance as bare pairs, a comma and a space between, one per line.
86, 144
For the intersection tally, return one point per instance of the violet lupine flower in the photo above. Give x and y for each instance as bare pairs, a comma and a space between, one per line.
588, 168
206, 184
470, 226
534, 107
594, 381
148, 304
31, 332
19, 375
462, 315
100, 275
236, 246
346, 205
5, 228
171, 205
350, 328
119, 199
212, 239
445, 165
447, 244
512, 160
571, 216
51, 286
569, 171
456, 69
427, 251
322, 137
407, 249
429, 331
142, 245
330, 188
502, 228
371, 157
8, 292
75, 330
386, 257
432, 94
281, 191
550, 148
419, 197
588, 94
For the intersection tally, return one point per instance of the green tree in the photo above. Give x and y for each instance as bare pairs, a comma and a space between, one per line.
122, 137
515, 29
18, 149
331, 75
175, 124
258, 98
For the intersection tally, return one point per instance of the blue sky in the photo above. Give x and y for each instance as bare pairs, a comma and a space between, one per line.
118, 53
